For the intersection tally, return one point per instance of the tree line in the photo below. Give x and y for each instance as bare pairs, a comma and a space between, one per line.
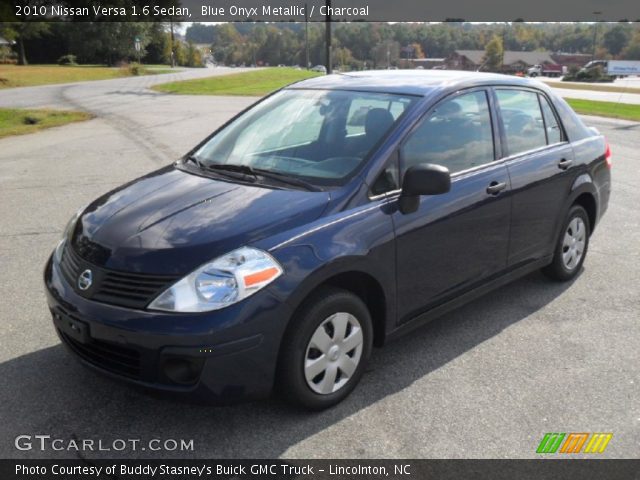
106, 43
355, 45
375, 45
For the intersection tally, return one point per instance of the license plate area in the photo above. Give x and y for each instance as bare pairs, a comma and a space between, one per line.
77, 330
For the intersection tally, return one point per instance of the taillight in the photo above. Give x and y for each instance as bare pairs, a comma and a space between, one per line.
607, 156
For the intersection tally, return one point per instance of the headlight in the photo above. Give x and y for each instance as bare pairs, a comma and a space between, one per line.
66, 234
220, 283
71, 224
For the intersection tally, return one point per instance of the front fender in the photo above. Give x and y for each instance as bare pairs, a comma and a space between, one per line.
360, 240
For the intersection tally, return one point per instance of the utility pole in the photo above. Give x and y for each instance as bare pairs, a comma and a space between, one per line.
306, 36
173, 51
504, 34
328, 37
595, 34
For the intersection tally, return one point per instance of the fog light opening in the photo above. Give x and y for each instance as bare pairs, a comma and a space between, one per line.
184, 371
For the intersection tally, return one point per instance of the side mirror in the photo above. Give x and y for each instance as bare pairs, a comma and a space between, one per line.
424, 179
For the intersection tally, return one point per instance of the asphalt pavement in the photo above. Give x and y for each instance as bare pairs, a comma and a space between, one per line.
486, 381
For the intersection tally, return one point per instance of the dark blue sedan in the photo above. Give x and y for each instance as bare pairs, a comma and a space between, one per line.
329, 217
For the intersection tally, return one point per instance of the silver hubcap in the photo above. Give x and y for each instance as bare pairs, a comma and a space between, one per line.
333, 353
573, 243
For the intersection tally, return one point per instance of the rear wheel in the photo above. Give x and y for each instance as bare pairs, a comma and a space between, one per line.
325, 351
571, 248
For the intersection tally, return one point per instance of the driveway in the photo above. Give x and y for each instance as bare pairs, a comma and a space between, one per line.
485, 381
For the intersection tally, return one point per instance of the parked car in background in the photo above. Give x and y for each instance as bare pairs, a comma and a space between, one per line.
319, 68
332, 216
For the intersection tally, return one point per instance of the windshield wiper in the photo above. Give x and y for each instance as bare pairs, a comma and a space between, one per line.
288, 179
238, 172
255, 172
230, 167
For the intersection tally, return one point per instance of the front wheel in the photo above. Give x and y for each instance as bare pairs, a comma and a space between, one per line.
571, 247
325, 351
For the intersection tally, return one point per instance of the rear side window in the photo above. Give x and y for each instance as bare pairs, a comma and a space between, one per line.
573, 126
554, 134
456, 134
522, 120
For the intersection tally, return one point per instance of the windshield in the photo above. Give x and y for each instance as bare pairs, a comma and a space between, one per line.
320, 136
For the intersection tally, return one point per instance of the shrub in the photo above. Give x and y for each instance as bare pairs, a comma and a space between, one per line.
194, 56
133, 69
7, 56
67, 60
30, 120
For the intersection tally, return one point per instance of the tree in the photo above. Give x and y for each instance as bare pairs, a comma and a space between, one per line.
199, 33
616, 39
493, 54
343, 57
159, 47
193, 56
385, 54
22, 31
632, 51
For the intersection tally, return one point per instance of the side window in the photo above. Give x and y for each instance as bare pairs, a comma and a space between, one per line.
457, 135
360, 107
522, 120
554, 134
388, 180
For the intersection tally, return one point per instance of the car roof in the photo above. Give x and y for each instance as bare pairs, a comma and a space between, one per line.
412, 82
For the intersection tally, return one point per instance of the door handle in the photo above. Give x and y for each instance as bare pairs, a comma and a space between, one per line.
495, 188
564, 164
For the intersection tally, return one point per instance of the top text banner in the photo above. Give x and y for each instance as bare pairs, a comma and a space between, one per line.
321, 10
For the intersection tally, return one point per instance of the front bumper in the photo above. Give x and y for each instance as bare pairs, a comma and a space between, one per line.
218, 357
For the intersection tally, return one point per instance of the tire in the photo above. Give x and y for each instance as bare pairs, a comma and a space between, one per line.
571, 246
324, 313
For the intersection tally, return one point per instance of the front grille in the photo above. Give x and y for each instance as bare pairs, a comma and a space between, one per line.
133, 290
130, 290
108, 356
70, 265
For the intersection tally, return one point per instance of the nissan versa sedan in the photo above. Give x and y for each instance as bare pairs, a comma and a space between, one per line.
327, 218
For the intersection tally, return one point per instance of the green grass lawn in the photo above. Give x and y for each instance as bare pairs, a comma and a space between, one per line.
30, 75
624, 111
20, 122
254, 83
597, 88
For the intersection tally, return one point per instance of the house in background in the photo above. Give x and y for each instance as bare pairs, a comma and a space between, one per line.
513, 61
571, 59
421, 63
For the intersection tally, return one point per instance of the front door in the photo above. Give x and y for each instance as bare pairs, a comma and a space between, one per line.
460, 238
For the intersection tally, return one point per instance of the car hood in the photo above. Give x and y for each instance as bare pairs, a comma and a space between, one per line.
171, 221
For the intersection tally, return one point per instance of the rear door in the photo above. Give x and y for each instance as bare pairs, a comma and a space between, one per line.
540, 164
458, 239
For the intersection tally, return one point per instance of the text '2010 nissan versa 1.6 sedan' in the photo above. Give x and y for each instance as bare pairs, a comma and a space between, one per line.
330, 216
